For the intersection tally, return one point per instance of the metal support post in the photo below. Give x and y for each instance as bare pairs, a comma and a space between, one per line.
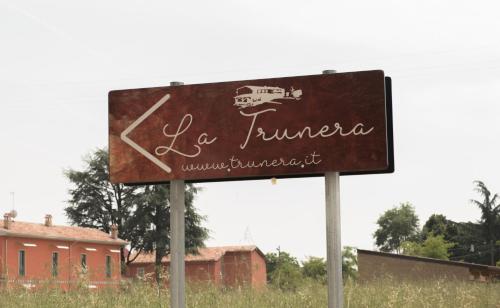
177, 244
333, 237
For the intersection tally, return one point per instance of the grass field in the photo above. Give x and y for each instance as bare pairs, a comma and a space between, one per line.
380, 294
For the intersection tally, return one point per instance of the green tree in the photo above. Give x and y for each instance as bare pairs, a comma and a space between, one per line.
410, 248
437, 224
96, 203
283, 270
349, 263
468, 238
314, 268
155, 214
490, 216
396, 226
142, 213
435, 246
471, 244
274, 259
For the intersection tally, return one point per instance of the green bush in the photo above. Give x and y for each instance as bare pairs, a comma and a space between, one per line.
315, 268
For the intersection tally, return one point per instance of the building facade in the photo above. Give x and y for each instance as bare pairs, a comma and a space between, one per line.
228, 266
32, 255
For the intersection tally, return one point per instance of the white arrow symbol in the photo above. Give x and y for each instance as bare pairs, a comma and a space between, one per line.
136, 123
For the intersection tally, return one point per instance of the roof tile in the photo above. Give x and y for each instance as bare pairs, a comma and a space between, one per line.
204, 254
35, 230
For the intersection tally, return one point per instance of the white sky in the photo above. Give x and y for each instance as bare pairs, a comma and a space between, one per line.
59, 59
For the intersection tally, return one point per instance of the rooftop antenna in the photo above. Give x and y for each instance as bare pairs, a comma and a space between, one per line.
247, 238
13, 212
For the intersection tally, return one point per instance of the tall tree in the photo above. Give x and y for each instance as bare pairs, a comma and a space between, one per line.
471, 246
96, 203
142, 213
437, 224
490, 216
468, 238
156, 215
396, 226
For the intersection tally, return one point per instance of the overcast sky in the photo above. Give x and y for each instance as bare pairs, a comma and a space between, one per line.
59, 59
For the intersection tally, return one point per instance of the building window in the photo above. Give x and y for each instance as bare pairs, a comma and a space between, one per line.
83, 262
108, 266
55, 263
140, 272
22, 263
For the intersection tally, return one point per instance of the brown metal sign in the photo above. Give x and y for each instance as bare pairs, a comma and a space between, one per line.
283, 127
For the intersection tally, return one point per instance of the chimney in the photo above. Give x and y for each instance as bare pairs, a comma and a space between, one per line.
48, 220
114, 231
6, 221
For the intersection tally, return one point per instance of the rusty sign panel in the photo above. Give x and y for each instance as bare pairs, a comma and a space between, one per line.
283, 127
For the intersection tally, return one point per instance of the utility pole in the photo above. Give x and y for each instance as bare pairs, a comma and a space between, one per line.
177, 242
333, 238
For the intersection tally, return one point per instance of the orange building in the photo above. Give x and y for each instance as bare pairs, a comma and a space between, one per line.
224, 266
32, 254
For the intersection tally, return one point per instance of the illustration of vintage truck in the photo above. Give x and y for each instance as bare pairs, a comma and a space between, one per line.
249, 96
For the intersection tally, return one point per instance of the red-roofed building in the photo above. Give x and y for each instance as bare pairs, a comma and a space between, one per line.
32, 254
224, 266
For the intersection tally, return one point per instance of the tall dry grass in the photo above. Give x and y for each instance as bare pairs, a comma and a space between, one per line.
383, 293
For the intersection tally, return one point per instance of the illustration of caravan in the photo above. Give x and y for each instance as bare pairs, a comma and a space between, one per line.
249, 96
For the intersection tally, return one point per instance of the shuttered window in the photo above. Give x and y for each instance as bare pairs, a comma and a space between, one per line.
55, 264
83, 262
108, 266
22, 263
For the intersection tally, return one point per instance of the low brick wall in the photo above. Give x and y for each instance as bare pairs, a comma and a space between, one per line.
373, 265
